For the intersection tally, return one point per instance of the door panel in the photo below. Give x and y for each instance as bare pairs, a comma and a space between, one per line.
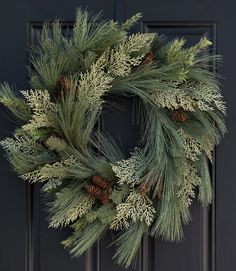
27, 243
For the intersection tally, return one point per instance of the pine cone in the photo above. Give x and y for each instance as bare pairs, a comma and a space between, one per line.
98, 193
105, 198
149, 58
64, 82
180, 115
65, 85
95, 191
143, 190
101, 182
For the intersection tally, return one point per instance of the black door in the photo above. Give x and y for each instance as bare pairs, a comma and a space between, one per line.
26, 242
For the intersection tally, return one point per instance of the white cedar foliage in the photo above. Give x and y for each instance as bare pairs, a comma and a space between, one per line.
51, 184
113, 63
206, 97
39, 102
137, 208
137, 42
193, 148
56, 144
121, 60
120, 63
95, 83
190, 180
172, 98
25, 144
127, 169
75, 210
50, 172
189, 97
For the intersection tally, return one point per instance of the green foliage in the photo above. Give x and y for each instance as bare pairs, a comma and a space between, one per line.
171, 214
50, 58
57, 54
69, 168
128, 244
69, 204
79, 243
74, 121
106, 147
131, 21
103, 213
57, 144
205, 189
78, 226
25, 163
89, 229
119, 193
165, 152
88, 182
15, 104
25, 154
95, 35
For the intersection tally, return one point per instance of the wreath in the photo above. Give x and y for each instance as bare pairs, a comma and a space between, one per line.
88, 182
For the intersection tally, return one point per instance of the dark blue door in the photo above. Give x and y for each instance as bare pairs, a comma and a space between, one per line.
26, 242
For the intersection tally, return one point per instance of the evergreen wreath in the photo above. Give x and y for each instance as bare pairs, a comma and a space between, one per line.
88, 183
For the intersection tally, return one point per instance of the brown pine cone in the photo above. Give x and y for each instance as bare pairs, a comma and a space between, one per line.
180, 115
148, 58
105, 198
64, 82
98, 193
95, 191
143, 190
101, 182
65, 85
